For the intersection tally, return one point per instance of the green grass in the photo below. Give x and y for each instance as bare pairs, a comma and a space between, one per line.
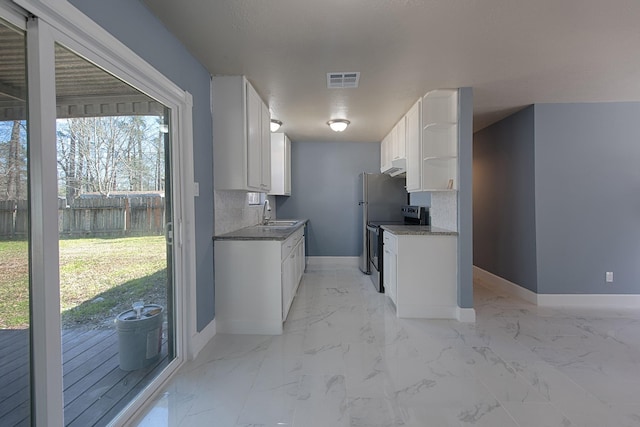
99, 278
14, 284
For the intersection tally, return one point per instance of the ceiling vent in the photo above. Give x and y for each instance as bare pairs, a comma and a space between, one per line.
343, 80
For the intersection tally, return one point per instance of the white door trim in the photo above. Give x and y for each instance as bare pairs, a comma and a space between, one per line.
13, 14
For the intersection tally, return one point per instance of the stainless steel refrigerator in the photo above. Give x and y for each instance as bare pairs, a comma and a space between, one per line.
381, 199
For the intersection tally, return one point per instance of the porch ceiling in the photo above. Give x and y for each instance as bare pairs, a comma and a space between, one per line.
83, 89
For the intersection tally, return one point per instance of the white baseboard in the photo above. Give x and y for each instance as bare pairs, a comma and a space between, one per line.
200, 339
352, 261
589, 300
421, 311
251, 326
499, 284
466, 315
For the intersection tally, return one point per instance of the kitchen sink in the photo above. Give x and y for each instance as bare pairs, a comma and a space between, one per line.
277, 224
280, 223
272, 227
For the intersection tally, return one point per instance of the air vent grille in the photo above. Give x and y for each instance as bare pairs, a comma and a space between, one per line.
343, 80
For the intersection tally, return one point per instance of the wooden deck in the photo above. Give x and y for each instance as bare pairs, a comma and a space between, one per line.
95, 388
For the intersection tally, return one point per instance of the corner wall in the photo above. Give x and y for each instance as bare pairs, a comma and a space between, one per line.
504, 203
557, 198
588, 197
465, 198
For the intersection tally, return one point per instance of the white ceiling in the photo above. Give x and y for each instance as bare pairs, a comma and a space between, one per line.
512, 52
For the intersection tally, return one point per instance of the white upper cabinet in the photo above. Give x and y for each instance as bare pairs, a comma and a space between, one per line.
265, 144
413, 142
393, 150
399, 146
280, 165
385, 153
241, 138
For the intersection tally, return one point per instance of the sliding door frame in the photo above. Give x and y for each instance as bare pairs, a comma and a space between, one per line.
56, 21
46, 353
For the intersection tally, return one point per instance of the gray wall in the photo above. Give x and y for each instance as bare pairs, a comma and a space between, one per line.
588, 197
420, 198
465, 198
504, 199
132, 23
324, 189
557, 198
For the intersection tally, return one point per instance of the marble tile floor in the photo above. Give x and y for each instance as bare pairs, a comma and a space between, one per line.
346, 360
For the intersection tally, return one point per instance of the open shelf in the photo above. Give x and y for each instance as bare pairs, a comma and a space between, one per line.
440, 140
437, 173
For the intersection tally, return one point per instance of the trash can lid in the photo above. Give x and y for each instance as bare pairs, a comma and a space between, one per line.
149, 310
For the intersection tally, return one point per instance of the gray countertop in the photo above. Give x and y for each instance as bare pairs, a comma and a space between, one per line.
257, 232
417, 230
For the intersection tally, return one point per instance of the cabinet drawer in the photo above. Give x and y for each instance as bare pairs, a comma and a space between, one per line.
290, 243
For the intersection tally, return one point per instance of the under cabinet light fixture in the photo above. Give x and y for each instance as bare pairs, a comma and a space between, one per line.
338, 125
275, 125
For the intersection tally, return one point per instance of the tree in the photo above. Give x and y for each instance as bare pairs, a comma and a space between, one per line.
104, 154
13, 162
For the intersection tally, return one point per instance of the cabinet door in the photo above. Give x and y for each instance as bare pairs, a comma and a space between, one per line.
401, 137
414, 156
287, 166
254, 139
299, 262
390, 267
280, 165
392, 150
265, 147
389, 278
287, 284
393, 277
385, 152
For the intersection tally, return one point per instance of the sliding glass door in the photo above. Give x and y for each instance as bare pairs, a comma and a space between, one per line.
15, 389
92, 276
115, 252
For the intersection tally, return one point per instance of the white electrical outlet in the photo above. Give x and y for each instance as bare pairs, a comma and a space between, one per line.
609, 276
196, 189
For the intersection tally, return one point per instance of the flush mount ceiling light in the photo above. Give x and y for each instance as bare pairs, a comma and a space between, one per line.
338, 125
275, 125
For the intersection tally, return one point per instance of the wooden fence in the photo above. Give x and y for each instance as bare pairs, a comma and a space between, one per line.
14, 221
92, 217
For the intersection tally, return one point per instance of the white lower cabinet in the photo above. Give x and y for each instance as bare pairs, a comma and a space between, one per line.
420, 275
390, 266
292, 270
255, 282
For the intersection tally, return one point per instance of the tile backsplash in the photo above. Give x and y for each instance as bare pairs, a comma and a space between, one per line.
444, 210
232, 211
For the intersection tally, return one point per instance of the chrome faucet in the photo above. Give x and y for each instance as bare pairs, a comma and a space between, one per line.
266, 208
